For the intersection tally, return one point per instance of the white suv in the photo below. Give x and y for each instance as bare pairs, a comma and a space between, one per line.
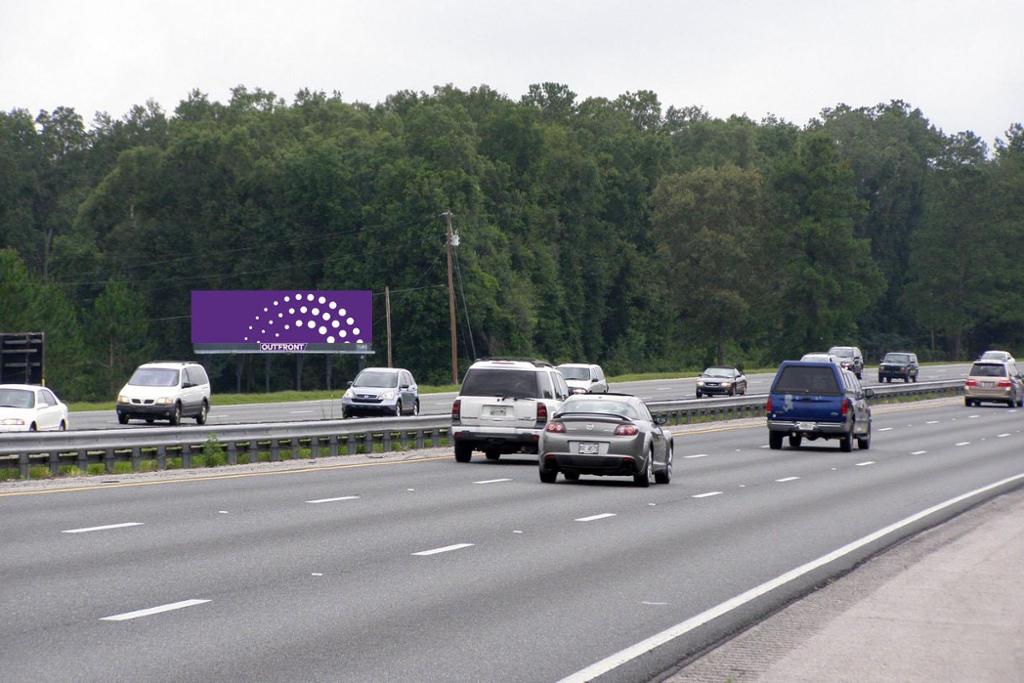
168, 391
503, 407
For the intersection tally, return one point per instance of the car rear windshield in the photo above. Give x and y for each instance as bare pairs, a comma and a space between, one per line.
154, 377
806, 379
988, 370
376, 378
494, 382
574, 373
897, 358
595, 405
842, 351
16, 398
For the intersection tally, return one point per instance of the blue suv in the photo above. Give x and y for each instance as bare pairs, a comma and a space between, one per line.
818, 400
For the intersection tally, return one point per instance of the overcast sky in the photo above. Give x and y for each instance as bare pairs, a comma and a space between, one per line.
961, 62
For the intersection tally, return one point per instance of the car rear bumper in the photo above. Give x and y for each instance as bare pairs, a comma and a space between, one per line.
506, 439
993, 394
809, 427
607, 465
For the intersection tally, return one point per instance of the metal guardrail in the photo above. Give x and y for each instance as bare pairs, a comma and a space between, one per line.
159, 447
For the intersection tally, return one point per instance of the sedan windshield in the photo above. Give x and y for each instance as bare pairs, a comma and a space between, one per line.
570, 372
154, 377
377, 378
718, 372
896, 358
988, 370
16, 398
590, 405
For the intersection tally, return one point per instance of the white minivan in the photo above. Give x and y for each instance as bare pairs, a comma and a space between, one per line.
165, 391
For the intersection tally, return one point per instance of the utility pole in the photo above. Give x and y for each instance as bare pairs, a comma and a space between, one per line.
387, 311
451, 296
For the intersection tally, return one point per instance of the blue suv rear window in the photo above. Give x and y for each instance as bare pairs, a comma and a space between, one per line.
806, 379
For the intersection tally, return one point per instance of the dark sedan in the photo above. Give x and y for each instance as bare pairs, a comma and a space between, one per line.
606, 435
898, 365
721, 381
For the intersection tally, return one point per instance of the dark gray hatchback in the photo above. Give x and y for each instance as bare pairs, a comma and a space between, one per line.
810, 400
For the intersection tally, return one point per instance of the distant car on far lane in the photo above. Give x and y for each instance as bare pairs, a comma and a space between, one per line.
583, 378
31, 408
996, 381
1001, 356
721, 380
898, 365
819, 357
850, 358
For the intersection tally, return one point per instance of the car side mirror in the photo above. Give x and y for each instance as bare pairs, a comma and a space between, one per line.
404, 386
869, 393
661, 419
349, 383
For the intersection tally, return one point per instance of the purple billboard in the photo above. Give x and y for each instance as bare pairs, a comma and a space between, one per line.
283, 321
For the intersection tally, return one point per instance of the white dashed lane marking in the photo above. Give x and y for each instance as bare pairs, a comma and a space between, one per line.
919, 452
445, 549
1002, 436
865, 463
885, 429
698, 455
101, 528
331, 500
932, 422
491, 481
154, 610
707, 495
787, 479
603, 515
964, 443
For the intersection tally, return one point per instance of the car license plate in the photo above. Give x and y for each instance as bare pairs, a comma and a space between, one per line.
589, 448
497, 411
988, 385
806, 426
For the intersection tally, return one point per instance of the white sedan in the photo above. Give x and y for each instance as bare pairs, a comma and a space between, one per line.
30, 408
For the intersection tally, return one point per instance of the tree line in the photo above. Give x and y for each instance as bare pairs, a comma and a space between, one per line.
616, 231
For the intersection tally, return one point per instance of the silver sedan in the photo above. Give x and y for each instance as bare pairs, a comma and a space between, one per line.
606, 435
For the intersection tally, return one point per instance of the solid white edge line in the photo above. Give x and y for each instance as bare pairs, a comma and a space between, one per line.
445, 549
101, 528
707, 495
603, 515
491, 481
784, 479
331, 500
644, 646
153, 610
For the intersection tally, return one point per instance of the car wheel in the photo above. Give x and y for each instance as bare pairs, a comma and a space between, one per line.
416, 407
492, 454
345, 414
732, 391
463, 452
795, 440
571, 476
665, 475
846, 443
398, 409
915, 378
775, 440
548, 476
699, 395
645, 477
63, 426
864, 443
122, 418
32, 427
203, 411
968, 402
175, 418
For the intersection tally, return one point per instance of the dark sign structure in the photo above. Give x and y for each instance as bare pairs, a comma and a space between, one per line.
21, 357
287, 321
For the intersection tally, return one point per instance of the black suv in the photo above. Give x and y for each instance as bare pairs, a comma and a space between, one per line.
901, 365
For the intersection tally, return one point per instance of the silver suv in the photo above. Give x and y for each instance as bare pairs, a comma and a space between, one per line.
850, 358
381, 391
503, 407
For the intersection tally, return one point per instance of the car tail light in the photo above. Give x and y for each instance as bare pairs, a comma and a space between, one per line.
626, 430
845, 410
1005, 384
555, 428
457, 410
972, 383
768, 405
542, 412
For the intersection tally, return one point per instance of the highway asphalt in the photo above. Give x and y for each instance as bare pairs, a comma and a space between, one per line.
434, 570
430, 404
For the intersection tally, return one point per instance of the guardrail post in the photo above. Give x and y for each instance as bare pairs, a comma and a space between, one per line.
54, 463
23, 465
232, 453
108, 461
83, 460
295, 449
350, 446
314, 447
161, 457
275, 451
435, 437
403, 439
419, 438
369, 442
186, 457
332, 444
386, 440
136, 457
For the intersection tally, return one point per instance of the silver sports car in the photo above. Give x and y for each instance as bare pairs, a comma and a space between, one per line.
606, 435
